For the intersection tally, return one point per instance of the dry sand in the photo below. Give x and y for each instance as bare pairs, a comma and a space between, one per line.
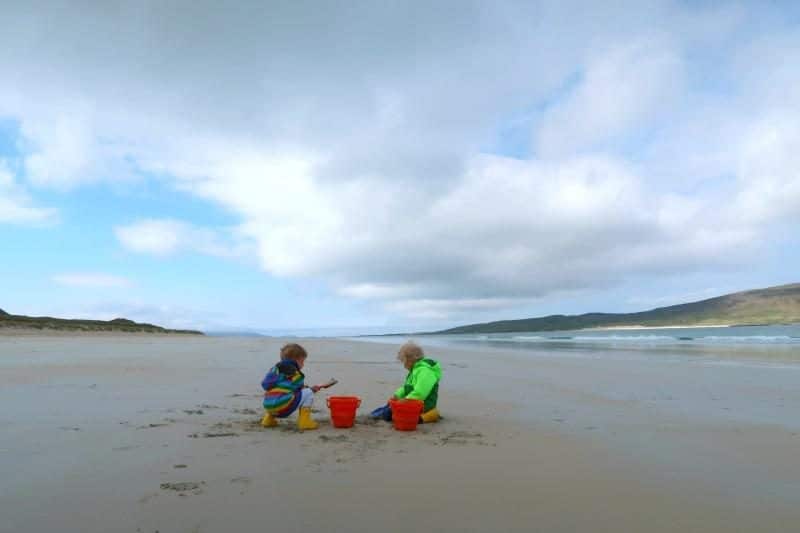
147, 434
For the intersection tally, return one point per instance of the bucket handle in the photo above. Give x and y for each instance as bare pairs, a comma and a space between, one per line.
328, 402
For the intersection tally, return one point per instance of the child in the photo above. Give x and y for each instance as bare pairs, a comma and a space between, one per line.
285, 390
422, 381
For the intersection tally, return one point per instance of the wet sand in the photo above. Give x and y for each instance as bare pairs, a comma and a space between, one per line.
144, 434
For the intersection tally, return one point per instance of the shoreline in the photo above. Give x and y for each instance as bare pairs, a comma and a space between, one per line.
599, 328
638, 327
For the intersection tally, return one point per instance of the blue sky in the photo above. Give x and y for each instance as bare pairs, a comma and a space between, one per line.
194, 289
505, 162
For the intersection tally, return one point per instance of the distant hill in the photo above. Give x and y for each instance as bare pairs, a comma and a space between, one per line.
124, 325
774, 305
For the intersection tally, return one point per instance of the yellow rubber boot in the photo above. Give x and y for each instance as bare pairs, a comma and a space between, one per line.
430, 416
268, 421
304, 420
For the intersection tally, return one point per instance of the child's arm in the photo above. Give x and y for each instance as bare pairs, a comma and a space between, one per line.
330, 383
268, 381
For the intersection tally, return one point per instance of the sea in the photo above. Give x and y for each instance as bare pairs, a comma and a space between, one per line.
770, 344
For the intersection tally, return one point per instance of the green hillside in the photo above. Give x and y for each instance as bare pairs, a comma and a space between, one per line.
9, 322
774, 305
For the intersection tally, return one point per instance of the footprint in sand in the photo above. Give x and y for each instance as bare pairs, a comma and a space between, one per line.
124, 448
335, 438
149, 426
462, 438
244, 480
212, 435
183, 487
246, 411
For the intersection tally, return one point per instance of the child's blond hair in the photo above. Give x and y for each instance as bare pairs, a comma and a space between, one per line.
293, 352
410, 352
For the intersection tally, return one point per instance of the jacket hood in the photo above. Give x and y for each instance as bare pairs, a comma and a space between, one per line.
433, 365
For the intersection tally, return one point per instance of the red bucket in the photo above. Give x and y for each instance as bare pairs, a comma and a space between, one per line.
343, 410
405, 414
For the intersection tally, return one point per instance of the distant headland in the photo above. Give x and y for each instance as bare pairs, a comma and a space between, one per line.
10, 323
770, 306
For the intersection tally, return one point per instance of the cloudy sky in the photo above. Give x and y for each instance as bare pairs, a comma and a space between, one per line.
299, 164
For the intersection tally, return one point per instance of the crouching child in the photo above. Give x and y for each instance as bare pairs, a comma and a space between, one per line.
285, 390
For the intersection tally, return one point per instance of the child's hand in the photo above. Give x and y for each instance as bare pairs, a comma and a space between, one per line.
315, 388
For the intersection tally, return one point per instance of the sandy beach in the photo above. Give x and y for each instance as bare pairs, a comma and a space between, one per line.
158, 433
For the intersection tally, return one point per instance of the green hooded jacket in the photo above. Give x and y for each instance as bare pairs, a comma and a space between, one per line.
422, 383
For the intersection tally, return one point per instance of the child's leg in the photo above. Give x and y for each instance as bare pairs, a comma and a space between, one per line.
304, 420
430, 416
306, 398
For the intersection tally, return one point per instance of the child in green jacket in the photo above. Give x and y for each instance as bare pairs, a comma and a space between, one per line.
422, 381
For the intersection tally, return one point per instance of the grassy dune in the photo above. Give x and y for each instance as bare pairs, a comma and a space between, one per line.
8, 321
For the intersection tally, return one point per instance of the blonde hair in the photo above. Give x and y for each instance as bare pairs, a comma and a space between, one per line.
410, 352
293, 352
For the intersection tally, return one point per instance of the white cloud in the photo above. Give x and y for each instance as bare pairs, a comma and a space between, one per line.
356, 157
374, 291
91, 280
159, 237
620, 90
15, 204
167, 236
64, 151
769, 168
443, 309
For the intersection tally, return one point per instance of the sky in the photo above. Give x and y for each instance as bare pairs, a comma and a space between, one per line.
382, 166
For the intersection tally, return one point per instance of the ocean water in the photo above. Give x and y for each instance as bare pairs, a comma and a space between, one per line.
725, 345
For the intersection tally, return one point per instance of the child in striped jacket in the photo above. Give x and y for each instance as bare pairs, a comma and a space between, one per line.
285, 390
